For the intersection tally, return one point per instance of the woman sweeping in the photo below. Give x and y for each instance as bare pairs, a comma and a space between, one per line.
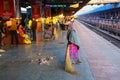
72, 50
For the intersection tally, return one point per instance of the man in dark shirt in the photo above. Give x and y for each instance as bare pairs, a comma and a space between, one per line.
33, 28
1, 32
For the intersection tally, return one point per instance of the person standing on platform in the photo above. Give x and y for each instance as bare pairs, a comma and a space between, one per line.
62, 31
33, 28
29, 24
72, 50
13, 31
56, 30
39, 31
1, 32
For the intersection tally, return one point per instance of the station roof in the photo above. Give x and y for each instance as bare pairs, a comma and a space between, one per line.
104, 8
67, 9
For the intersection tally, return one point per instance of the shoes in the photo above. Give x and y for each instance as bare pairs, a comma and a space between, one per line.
73, 63
2, 50
78, 61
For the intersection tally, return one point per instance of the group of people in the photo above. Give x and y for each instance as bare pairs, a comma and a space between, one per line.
73, 45
8, 28
12, 32
34, 26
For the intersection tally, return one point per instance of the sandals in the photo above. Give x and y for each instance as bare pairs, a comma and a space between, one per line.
78, 61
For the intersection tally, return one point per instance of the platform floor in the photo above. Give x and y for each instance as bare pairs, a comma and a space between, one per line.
102, 56
100, 59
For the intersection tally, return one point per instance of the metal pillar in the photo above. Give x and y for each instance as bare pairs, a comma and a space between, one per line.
17, 9
42, 15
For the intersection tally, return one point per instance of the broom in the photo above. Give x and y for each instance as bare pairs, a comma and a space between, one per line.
68, 64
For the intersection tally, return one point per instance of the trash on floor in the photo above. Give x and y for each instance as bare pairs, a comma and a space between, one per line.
42, 59
46, 60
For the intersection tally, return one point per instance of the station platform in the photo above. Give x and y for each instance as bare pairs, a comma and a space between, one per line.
100, 59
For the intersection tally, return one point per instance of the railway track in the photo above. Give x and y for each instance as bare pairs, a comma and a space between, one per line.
110, 37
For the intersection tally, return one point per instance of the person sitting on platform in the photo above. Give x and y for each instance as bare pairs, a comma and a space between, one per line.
21, 32
49, 32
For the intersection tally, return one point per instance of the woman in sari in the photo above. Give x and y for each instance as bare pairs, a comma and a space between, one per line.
72, 50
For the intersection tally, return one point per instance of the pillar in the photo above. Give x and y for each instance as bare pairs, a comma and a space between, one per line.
17, 9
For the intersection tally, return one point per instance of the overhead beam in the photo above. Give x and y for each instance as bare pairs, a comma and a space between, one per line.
103, 1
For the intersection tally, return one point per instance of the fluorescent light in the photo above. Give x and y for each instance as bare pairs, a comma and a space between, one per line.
23, 10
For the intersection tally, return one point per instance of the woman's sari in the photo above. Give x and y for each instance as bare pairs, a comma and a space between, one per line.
71, 51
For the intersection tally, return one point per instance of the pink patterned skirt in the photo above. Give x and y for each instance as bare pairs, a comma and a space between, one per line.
73, 53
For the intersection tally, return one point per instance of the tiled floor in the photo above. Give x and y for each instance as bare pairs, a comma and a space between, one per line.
22, 62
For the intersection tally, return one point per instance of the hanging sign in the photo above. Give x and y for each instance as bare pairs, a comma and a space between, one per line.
6, 8
36, 11
47, 11
55, 5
